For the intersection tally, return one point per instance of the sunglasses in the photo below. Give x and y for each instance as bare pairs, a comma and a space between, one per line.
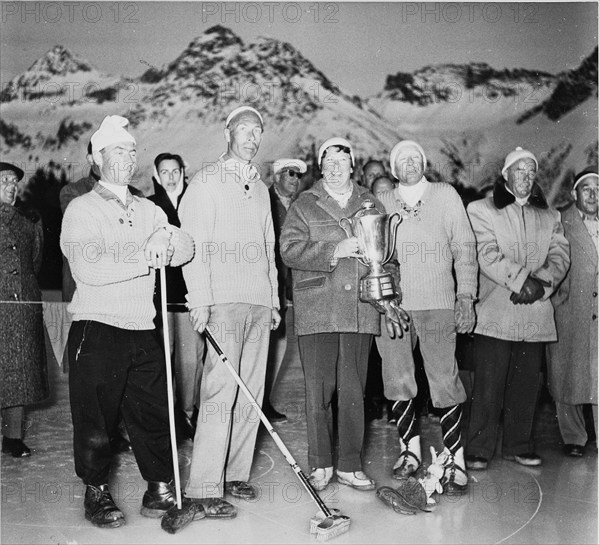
294, 173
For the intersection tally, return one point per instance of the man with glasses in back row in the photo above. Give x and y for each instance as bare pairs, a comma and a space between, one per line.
287, 176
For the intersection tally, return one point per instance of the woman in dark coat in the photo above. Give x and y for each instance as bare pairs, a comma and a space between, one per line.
23, 368
334, 328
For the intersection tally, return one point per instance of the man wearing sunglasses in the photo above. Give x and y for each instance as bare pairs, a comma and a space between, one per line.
287, 176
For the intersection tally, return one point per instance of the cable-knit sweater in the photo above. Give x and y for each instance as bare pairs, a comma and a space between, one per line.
434, 237
103, 240
233, 232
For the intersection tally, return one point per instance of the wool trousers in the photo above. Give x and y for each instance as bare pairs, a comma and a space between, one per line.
335, 362
187, 353
571, 423
507, 377
277, 350
112, 369
227, 423
436, 332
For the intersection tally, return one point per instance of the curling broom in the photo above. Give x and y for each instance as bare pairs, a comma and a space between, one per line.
326, 524
183, 513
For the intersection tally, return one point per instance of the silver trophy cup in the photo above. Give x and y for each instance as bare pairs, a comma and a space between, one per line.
376, 234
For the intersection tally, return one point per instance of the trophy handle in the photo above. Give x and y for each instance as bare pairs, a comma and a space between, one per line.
361, 250
346, 225
347, 230
394, 221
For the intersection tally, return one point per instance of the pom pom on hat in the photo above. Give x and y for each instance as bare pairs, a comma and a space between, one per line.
514, 156
398, 148
112, 131
336, 141
286, 163
241, 110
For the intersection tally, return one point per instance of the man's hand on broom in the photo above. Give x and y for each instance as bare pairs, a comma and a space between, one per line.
158, 249
199, 317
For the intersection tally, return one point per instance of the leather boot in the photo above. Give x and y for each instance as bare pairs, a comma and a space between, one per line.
158, 499
100, 508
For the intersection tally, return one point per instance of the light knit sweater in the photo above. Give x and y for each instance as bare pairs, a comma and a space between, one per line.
103, 240
233, 232
432, 239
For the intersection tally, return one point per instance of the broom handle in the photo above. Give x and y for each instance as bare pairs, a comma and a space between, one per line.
287, 454
170, 403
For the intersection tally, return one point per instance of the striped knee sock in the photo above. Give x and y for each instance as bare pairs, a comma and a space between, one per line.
450, 421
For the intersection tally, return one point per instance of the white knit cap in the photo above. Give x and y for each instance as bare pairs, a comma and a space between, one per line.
286, 163
514, 156
112, 131
398, 148
242, 109
335, 141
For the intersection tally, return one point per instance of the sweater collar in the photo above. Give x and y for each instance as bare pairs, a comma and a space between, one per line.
108, 195
502, 197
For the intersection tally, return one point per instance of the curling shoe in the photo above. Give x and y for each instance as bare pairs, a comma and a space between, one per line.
100, 508
410, 458
319, 477
455, 478
158, 499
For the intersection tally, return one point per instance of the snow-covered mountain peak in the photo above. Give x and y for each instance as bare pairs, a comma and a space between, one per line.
60, 61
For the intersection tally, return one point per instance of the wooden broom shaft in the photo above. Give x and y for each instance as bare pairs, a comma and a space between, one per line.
170, 401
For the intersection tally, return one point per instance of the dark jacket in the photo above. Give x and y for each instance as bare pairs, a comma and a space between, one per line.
176, 289
325, 297
23, 368
284, 274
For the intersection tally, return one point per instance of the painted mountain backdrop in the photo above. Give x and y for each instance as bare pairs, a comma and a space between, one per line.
467, 117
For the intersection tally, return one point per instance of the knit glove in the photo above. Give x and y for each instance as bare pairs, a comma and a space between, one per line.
464, 314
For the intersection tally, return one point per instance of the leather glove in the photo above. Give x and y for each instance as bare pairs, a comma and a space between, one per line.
396, 319
531, 291
464, 314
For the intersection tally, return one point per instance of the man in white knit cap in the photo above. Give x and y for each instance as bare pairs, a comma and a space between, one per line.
523, 256
435, 243
113, 241
232, 290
